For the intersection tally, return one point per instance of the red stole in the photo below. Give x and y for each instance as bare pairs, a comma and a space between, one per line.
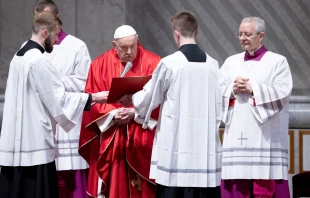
122, 160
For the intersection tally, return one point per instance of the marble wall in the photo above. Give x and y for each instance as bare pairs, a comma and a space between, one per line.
287, 28
287, 33
93, 21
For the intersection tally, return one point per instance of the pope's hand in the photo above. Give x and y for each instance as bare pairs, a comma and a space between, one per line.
124, 115
100, 97
126, 100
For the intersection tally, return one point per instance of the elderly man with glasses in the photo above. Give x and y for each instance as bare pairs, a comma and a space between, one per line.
256, 86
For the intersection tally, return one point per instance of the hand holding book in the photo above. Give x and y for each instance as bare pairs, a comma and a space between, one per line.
120, 87
126, 100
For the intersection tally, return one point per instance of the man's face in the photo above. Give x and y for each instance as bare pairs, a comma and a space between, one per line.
249, 39
51, 39
126, 48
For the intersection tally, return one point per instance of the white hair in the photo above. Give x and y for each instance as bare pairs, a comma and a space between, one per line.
260, 23
116, 40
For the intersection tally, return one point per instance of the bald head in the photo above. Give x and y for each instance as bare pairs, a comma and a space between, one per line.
46, 5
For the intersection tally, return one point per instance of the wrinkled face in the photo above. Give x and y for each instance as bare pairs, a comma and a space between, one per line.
126, 48
249, 39
51, 39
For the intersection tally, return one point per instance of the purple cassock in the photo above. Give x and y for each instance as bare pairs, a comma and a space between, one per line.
242, 188
71, 183
61, 36
257, 54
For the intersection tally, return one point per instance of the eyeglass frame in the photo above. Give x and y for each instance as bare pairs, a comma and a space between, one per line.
237, 35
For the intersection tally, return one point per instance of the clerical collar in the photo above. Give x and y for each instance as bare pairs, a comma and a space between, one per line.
193, 53
28, 46
255, 55
61, 36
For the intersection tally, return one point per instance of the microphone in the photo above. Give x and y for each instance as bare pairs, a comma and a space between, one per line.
127, 68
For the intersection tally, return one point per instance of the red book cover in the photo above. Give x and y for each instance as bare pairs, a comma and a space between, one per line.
126, 85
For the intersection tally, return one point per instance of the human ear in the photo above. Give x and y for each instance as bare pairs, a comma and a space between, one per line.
114, 44
177, 33
261, 36
45, 33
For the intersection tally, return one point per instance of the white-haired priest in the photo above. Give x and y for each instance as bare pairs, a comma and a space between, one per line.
256, 87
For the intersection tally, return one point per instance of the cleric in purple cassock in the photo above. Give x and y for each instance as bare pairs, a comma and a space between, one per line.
256, 86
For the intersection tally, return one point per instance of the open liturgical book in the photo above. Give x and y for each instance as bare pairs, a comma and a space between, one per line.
120, 87
126, 85
102, 123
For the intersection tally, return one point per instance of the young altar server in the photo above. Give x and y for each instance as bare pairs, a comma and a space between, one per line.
35, 100
186, 156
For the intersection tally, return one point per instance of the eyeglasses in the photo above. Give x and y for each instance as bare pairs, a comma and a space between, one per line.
246, 34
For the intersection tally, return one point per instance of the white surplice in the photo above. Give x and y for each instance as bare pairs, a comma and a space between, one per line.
72, 61
256, 137
35, 99
186, 150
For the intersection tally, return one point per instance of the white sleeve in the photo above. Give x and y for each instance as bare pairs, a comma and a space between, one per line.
218, 98
75, 82
152, 95
272, 98
65, 107
226, 85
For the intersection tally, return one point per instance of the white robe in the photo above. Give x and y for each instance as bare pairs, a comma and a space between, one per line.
186, 150
256, 137
35, 99
72, 61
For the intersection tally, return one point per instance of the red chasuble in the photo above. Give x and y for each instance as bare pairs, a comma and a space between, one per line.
122, 159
